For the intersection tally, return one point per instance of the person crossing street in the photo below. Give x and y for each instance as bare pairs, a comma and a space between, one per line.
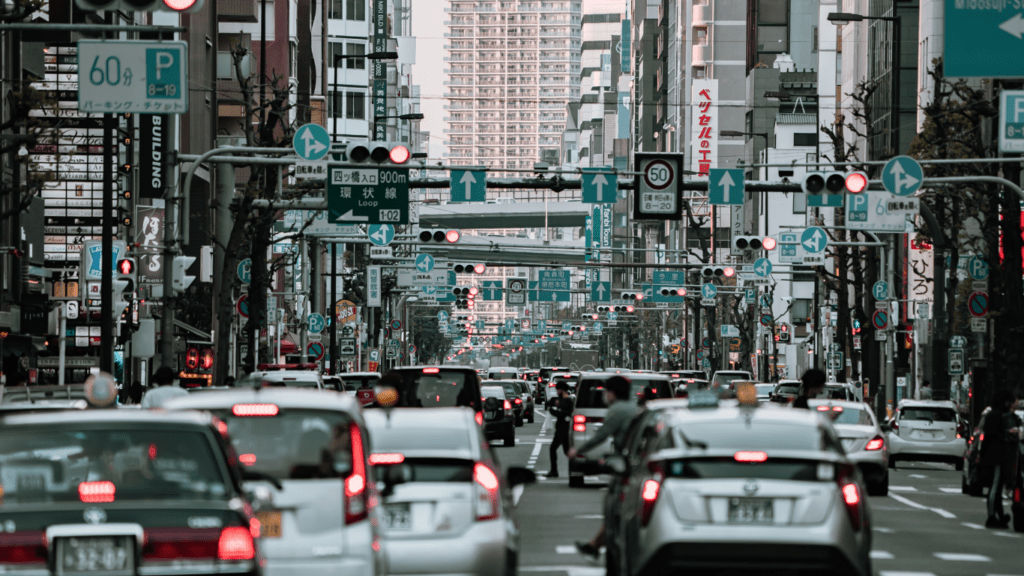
560, 407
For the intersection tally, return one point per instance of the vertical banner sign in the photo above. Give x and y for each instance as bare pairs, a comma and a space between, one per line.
704, 122
919, 272
380, 75
149, 234
627, 49
596, 232
152, 154
589, 240
373, 286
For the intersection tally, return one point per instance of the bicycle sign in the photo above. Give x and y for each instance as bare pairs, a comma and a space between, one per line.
121, 76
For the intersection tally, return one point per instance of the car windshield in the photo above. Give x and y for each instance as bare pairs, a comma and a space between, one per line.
294, 444
928, 413
437, 388
591, 392
849, 415
493, 392
356, 382
754, 434
63, 463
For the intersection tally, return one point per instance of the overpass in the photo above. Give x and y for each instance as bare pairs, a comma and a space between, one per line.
518, 215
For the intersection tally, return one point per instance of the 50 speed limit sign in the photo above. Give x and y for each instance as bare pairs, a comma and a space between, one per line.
656, 193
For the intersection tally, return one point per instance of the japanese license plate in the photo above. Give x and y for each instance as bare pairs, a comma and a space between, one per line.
397, 517
95, 556
490, 415
270, 524
750, 511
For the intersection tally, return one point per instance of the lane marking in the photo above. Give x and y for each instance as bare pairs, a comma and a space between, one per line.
954, 557
536, 449
972, 526
1006, 534
883, 530
904, 573
881, 555
951, 490
570, 570
589, 516
918, 476
570, 549
912, 504
902, 489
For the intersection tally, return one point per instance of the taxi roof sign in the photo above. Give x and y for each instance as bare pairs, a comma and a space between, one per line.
703, 399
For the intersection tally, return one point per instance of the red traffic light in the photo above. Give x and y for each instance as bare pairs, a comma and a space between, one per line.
398, 154
856, 182
768, 243
452, 236
479, 268
629, 309
179, 5
729, 272
126, 266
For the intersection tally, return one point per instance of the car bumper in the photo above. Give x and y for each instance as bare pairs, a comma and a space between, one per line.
341, 566
921, 450
479, 551
873, 465
714, 558
500, 429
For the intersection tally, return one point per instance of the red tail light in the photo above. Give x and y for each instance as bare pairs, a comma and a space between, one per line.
750, 456
247, 459
507, 406
519, 400
822, 408
851, 495
23, 548
488, 503
235, 544
1016, 495
177, 543
93, 492
480, 418
431, 370
875, 443
254, 410
649, 495
961, 430
579, 423
356, 494
384, 459
895, 425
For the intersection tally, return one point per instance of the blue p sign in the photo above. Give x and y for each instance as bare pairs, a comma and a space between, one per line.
163, 73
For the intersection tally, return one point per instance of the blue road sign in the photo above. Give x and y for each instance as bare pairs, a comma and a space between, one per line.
880, 290
600, 187
977, 268
601, 291
708, 290
380, 234
825, 200
316, 323
429, 290
725, 186
566, 325
442, 316
902, 176
814, 240
542, 325
480, 325
750, 295
766, 300
245, 270
762, 268
508, 324
983, 42
597, 327
553, 280
613, 316
669, 277
493, 290
1011, 121
311, 142
424, 263
469, 186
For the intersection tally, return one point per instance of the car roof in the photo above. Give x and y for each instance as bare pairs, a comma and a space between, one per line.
43, 406
843, 403
63, 417
491, 381
417, 418
926, 404
765, 412
344, 374
268, 374
441, 366
285, 397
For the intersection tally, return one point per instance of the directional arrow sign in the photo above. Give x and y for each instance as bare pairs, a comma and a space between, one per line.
601, 292
725, 186
368, 195
311, 142
983, 40
902, 176
762, 268
469, 186
708, 290
381, 234
600, 188
424, 263
442, 316
814, 240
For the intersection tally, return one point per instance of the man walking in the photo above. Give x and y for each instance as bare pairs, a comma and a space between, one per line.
999, 451
926, 390
560, 407
811, 384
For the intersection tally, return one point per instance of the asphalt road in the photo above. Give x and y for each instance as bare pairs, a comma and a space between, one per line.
924, 527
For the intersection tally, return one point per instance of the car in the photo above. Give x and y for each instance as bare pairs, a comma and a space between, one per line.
143, 492
862, 437
529, 411
786, 391
720, 486
723, 379
502, 373
764, 390
839, 391
359, 384
20, 394
42, 406
590, 411
686, 374
307, 449
499, 420
545, 379
927, 430
283, 375
451, 511
976, 479
684, 386
513, 395
570, 378
437, 386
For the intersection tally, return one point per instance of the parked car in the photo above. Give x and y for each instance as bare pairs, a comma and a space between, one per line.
499, 420
928, 430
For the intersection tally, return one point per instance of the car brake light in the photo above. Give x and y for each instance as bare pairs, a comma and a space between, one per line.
875, 443
649, 494
96, 491
750, 456
356, 494
386, 458
431, 370
235, 544
480, 418
507, 406
837, 408
551, 385
519, 400
23, 548
851, 495
254, 410
822, 408
247, 459
488, 501
1016, 495
895, 426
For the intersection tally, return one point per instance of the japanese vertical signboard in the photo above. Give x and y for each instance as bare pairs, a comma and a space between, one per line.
153, 139
380, 75
373, 286
149, 233
919, 272
704, 134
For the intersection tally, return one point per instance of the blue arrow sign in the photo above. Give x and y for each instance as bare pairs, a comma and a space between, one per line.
566, 325
542, 325
508, 324
600, 187
601, 291
613, 316
316, 323
708, 290
902, 176
725, 186
469, 186
442, 316
245, 270
480, 325
762, 268
814, 240
492, 290
380, 234
424, 263
311, 142
982, 42
880, 290
598, 327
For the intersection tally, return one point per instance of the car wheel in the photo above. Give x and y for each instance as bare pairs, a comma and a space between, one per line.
611, 560
880, 488
975, 489
892, 463
1018, 520
575, 481
959, 463
510, 438
965, 488
519, 421
532, 416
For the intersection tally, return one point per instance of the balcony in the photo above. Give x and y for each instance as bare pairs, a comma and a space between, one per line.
467, 46
238, 11
459, 82
701, 14
701, 54
459, 58
459, 34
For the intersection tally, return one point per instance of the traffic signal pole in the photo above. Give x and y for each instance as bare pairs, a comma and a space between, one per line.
107, 225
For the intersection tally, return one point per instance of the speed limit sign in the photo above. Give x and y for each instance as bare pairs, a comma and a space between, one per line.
656, 191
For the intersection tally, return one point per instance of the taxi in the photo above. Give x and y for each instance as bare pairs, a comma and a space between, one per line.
733, 486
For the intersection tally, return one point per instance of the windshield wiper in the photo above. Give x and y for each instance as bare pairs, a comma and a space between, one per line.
257, 475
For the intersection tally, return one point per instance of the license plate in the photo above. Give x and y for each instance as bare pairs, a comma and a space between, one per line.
270, 524
490, 415
750, 511
95, 556
397, 517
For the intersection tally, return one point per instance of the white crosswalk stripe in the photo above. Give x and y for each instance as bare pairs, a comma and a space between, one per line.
955, 557
881, 555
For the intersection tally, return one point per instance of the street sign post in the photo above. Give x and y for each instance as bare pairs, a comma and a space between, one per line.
977, 268
133, 76
725, 186
789, 248
749, 296
601, 291
957, 342
316, 322
979, 42
368, 195
729, 331
762, 271
656, 190
869, 211
813, 240
601, 187
880, 320
515, 293
880, 290
311, 142
977, 304
424, 263
902, 176
956, 362
380, 234
245, 270
708, 292
468, 186
1011, 121
492, 290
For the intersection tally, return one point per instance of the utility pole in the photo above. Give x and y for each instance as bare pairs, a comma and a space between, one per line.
107, 242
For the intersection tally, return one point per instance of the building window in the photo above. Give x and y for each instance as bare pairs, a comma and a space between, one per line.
699, 72
336, 49
700, 35
334, 9
355, 9
814, 47
355, 105
355, 50
804, 139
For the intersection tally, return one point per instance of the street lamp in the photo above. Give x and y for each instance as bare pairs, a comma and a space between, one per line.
894, 112
338, 57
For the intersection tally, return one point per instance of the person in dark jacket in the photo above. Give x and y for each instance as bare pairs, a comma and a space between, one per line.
998, 450
812, 383
560, 407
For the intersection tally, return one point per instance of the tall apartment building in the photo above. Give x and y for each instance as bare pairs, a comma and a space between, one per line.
514, 65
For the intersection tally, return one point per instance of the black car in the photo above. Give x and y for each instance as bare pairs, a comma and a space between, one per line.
441, 386
512, 394
123, 492
499, 418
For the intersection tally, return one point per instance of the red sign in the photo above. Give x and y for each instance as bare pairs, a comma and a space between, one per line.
315, 349
243, 305
365, 396
977, 304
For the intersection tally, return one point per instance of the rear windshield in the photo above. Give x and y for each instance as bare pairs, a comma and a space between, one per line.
356, 382
276, 380
835, 393
437, 436
546, 373
442, 389
788, 389
492, 392
714, 468
852, 416
591, 392
510, 390
502, 373
50, 465
764, 388
754, 435
933, 414
294, 444
432, 470
721, 379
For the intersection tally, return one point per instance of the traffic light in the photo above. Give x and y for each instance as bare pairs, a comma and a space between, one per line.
384, 153
783, 335
632, 296
127, 272
188, 6
753, 243
119, 304
469, 268
709, 272
666, 291
856, 182
438, 236
823, 183
181, 281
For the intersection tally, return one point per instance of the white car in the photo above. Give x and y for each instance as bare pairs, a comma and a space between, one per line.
863, 440
926, 430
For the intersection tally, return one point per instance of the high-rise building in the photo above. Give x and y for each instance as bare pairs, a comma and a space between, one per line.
514, 65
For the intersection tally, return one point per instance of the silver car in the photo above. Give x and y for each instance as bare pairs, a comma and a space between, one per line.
734, 488
447, 505
927, 430
306, 451
863, 440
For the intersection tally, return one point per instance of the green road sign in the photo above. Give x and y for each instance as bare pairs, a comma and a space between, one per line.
368, 195
725, 186
983, 40
492, 290
601, 291
825, 200
600, 187
469, 186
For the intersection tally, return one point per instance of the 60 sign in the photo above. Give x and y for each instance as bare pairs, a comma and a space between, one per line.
99, 76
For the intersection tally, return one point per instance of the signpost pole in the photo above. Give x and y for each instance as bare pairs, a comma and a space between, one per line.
890, 340
332, 352
221, 326
170, 223
107, 225
63, 315
301, 312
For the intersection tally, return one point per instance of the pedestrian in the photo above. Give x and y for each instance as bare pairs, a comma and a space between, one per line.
164, 389
616, 423
560, 407
811, 384
135, 393
999, 451
926, 390
229, 381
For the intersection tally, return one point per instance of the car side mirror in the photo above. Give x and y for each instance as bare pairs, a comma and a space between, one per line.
613, 465
519, 476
